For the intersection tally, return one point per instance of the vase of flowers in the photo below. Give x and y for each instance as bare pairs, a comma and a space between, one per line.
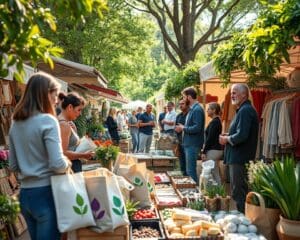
106, 154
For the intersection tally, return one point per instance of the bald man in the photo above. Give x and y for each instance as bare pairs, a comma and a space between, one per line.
240, 143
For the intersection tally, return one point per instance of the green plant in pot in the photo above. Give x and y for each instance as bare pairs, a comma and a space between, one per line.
260, 208
210, 196
107, 155
224, 199
281, 183
9, 210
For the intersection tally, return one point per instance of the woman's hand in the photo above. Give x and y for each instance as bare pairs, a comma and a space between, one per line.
88, 155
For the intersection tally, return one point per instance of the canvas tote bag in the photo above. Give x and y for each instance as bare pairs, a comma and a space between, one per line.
139, 177
106, 200
264, 218
71, 202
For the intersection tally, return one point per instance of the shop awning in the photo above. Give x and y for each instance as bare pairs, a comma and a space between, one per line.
97, 92
72, 72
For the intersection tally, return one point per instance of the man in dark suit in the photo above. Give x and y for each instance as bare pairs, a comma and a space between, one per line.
192, 130
240, 143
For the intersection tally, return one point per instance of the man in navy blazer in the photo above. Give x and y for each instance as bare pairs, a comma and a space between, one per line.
193, 131
240, 143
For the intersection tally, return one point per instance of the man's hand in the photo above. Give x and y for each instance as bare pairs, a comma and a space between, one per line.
223, 139
179, 128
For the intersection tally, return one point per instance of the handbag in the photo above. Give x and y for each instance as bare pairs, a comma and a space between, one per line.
106, 200
71, 201
264, 218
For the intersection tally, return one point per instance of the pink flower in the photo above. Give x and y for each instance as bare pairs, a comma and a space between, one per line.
4, 155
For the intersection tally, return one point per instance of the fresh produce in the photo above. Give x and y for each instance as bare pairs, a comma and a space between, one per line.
167, 213
144, 214
197, 204
161, 178
145, 232
131, 207
189, 192
162, 186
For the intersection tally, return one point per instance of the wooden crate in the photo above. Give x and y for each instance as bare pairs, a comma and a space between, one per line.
120, 233
163, 162
148, 161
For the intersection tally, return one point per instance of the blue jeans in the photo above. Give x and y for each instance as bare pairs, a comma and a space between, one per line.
191, 155
134, 139
37, 206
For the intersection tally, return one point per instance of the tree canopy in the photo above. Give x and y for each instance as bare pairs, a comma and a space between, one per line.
260, 49
188, 25
22, 26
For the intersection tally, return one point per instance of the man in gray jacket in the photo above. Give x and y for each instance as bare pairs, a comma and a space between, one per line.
240, 143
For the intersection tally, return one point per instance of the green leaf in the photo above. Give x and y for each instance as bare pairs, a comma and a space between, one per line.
77, 210
79, 200
117, 212
123, 210
85, 209
116, 201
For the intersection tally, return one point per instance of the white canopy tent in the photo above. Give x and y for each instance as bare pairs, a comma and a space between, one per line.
134, 105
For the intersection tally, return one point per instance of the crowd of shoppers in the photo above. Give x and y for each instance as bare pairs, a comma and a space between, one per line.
43, 144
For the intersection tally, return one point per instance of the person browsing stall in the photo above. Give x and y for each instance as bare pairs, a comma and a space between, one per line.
192, 130
170, 119
146, 124
71, 107
36, 154
212, 149
240, 143
180, 119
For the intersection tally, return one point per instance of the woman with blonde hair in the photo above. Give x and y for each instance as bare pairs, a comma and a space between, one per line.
212, 149
36, 154
112, 125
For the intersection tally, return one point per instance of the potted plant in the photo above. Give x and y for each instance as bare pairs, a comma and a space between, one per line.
9, 210
210, 196
224, 199
281, 183
260, 208
107, 153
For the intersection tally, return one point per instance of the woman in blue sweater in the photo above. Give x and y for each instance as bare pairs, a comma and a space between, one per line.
36, 154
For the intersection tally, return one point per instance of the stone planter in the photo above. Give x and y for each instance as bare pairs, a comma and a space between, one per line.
288, 229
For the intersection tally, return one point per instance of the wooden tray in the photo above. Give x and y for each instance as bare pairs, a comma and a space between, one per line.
120, 233
191, 184
184, 199
218, 237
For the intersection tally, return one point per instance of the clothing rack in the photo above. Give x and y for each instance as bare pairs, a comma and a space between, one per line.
287, 90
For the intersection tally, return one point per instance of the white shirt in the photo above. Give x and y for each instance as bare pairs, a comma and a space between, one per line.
170, 116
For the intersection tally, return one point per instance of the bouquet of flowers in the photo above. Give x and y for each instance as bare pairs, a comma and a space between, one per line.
3, 158
106, 153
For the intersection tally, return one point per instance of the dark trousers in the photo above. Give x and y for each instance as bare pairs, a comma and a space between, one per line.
238, 185
182, 162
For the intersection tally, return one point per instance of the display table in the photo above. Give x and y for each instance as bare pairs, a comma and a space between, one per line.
120, 233
125, 145
157, 162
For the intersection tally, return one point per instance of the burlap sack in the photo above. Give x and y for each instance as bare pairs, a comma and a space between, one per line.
264, 218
